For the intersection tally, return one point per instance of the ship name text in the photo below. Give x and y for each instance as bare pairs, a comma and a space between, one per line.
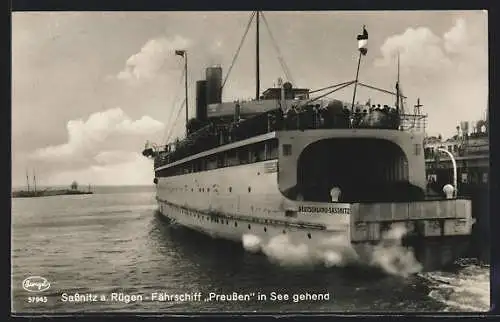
325, 209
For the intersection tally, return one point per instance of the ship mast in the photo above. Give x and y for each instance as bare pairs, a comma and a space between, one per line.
27, 180
34, 180
397, 88
183, 54
257, 54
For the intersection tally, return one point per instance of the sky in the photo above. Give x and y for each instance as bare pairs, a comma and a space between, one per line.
89, 88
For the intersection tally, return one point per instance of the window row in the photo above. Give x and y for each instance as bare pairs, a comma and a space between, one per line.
257, 152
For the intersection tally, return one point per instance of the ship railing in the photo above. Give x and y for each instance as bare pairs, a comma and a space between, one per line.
208, 137
413, 122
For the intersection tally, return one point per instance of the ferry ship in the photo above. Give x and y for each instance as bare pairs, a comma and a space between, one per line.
310, 169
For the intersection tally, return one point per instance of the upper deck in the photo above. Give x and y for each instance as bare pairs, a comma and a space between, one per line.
319, 115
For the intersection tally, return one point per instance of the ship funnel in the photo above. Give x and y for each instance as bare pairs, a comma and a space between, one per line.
465, 127
214, 84
201, 100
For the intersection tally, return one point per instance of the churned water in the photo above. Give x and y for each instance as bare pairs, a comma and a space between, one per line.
112, 252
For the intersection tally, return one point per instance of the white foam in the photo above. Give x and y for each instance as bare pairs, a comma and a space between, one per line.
281, 250
392, 257
336, 250
467, 290
332, 258
251, 243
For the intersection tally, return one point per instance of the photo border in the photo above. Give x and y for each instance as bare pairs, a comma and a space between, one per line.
198, 5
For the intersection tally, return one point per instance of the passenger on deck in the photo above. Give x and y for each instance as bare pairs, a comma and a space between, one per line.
347, 115
393, 117
357, 116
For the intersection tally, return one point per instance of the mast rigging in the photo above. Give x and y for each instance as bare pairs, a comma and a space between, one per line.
257, 54
238, 50
284, 66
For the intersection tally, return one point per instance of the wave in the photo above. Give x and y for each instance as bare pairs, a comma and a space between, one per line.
467, 289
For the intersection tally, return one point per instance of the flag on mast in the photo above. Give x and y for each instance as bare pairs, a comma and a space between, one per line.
363, 41
180, 52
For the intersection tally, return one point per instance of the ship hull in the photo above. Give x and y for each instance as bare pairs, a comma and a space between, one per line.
313, 245
303, 244
243, 204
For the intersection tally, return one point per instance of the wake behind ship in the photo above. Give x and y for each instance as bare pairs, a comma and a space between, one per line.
328, 175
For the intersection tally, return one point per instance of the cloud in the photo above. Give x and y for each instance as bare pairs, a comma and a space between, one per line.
456, 37
461, 48
86, 139
418, 48
155, 56
449, 71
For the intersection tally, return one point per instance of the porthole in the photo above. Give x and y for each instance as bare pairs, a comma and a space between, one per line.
309, 235
249, 227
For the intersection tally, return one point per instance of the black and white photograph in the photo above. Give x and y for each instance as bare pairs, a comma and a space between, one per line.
250, 161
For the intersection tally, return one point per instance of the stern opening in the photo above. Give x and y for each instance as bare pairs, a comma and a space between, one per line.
365, 170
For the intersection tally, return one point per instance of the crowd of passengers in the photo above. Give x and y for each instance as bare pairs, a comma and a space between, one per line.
312, 117
334, 116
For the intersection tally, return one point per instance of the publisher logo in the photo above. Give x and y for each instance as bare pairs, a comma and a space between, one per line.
36, 284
